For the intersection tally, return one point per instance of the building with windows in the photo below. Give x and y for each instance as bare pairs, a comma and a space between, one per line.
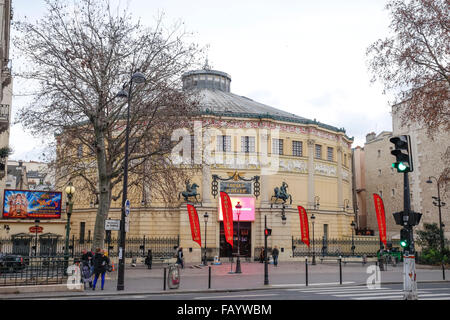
5, 89
247, 149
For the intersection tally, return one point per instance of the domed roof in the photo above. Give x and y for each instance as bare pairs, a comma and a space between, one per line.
216, 99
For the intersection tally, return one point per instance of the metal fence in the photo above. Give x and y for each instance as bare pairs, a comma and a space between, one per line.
28, 246
34, 271
339, 247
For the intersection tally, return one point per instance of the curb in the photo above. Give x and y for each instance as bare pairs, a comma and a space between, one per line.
169, 292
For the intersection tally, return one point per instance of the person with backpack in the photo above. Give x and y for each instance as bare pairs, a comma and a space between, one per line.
101, 265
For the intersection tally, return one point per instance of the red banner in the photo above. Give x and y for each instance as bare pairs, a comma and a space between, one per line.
195, 224
379, 208
304, 225
227, 211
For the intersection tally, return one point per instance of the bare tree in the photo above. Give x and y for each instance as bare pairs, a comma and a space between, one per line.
414, 63
78, 57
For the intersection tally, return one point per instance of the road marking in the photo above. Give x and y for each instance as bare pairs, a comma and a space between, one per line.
438, 298
385, 298
237, 296
311, 284
434, 295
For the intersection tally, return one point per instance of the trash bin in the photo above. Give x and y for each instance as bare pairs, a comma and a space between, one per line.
173, 280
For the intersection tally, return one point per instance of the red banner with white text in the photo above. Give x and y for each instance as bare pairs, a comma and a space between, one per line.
227, 211
195, 224
304, 225
381, 217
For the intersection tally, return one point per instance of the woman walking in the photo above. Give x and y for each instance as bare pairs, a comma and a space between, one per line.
101, 263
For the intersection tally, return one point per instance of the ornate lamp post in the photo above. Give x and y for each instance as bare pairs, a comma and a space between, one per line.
238, 261
314, 250
353, 225
70, 191
439, 204
137, 78
205, 217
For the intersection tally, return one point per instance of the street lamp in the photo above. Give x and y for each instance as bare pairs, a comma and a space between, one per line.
314, 250
238, 261
439, 204
205, 217
70, 191
353, 225
36, 226
346, 205
316, 202
137, 78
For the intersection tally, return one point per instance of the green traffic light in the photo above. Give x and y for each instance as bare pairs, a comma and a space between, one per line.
403, 243
402, 167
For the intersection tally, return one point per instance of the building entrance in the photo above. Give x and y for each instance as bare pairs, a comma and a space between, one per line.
245, 246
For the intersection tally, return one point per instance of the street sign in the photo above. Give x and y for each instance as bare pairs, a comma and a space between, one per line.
113, 225
127, 224
127, 207
36, 229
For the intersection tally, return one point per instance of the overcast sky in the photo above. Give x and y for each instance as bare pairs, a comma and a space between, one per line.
302, 56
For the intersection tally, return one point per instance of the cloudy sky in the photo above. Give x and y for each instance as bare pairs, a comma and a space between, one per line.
305, 57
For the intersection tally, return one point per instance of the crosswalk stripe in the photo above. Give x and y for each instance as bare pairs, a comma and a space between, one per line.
437, 298
310, 284
368, 294
236, 296
338, 289
433, 295
385, 297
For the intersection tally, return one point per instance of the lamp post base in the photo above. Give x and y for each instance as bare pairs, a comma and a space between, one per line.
238, 266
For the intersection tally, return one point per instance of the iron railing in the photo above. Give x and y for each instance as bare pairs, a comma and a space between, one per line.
30, 246
33, 271
338, 247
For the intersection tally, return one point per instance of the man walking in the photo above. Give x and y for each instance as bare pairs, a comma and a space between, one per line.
275, 253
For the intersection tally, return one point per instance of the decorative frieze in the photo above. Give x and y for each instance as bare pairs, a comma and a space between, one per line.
325, 169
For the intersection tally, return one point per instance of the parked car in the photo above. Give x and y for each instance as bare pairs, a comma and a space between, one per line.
12, 262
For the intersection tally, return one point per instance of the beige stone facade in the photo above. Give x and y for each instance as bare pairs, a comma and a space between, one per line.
428, 161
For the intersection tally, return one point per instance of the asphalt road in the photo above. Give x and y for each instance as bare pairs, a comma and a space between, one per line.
426, 291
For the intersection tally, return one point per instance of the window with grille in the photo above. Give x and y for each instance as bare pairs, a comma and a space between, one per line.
248, 144
330, 154
224, 143
277, 146
318, 151
297, 148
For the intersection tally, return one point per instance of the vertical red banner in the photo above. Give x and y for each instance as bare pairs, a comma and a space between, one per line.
304, 225
195, 224
381, 218
227, 210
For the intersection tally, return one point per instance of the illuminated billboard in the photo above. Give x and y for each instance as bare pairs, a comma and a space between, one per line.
23, 204
247, 210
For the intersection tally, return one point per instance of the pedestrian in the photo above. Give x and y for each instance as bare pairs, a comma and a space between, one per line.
86, 267
101, 263
180, 257
261, 256
148, 259
275, 253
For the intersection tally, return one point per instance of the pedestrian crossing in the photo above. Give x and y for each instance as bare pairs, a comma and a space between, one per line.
365, 293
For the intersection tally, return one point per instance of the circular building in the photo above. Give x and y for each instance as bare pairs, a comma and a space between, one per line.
268, 160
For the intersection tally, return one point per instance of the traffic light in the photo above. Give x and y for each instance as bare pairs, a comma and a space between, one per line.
402, 153
404, 238
267, 232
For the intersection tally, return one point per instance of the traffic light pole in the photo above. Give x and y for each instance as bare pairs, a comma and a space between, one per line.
409, 261
266, 267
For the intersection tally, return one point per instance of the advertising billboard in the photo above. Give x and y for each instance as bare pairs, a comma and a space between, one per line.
24, 204
247, 210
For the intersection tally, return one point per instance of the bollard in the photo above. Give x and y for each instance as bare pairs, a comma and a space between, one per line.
165, 279
306, 271
340, 270
209, 278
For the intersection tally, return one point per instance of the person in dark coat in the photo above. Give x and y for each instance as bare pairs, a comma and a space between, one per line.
148, 259
180, 257
275, 254
101, 263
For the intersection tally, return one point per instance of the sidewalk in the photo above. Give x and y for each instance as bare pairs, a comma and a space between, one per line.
140, 280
